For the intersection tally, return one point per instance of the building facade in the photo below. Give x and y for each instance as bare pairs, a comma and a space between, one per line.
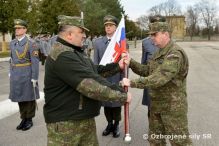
178, 26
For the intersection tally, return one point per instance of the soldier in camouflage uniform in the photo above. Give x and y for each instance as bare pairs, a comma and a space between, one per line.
148, 50
24, 73
74, 87
165, 77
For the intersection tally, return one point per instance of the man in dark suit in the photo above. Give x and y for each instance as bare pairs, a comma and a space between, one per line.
112, 110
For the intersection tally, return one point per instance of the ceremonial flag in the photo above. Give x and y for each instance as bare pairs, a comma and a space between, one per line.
116, 46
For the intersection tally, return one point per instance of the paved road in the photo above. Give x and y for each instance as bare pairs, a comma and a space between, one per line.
202, 86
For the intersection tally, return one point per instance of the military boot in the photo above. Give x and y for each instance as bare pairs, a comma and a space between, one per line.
20, 126
28, 124
116, 132
109, 128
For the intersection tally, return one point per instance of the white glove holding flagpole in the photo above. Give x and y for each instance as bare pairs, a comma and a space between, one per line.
34, 90
34, 82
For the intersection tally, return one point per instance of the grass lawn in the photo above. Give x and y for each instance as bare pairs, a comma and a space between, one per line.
4, 54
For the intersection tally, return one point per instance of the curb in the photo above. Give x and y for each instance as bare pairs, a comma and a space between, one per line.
4, 59
8, 108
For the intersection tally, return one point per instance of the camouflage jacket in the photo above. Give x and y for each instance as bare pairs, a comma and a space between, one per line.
165, 76
73, 88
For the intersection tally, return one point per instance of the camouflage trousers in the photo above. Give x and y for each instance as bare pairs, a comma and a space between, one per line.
172, 126
72, 133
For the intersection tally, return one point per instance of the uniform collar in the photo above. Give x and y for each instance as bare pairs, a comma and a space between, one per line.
22, 41
108, 37
77, 48
164, 50
105, 39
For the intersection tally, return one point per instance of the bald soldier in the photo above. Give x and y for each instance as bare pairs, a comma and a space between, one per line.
74, 87
24, 73
165, 77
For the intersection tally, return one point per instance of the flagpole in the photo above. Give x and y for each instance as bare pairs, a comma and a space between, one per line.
113, 51
127, 137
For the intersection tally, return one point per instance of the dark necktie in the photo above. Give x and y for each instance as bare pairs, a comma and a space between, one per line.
108, 41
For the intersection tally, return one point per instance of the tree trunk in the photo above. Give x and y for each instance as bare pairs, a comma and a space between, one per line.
4, 47
209, 34
191, 35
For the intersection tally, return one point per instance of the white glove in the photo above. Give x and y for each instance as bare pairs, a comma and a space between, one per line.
9, 75
34, 82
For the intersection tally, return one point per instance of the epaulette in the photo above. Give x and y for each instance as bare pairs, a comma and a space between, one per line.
99, 38
13, 41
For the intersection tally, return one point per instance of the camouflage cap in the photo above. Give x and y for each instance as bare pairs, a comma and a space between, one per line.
71, 20
158, 26
20, 23
157, 18
109, 19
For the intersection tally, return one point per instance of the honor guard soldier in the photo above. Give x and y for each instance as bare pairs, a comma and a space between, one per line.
112, 110
24, 72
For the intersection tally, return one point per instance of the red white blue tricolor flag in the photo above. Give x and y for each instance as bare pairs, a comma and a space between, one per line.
116, 46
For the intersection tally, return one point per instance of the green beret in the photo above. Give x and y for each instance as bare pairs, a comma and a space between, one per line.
158, 26
109, 19
71, 20
20, 23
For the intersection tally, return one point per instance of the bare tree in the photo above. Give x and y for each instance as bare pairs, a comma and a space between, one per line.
143, 22
208, 11
168, 8
191, 20
156, 10
216, 30
171, 7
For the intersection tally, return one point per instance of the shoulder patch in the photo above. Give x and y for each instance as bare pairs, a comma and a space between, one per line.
35, 53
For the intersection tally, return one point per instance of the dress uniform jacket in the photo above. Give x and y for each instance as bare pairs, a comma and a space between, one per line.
44, 46
100, 45
24, 66
52, 40
148, 49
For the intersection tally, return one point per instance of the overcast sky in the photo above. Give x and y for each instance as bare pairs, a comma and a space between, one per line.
136, 8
